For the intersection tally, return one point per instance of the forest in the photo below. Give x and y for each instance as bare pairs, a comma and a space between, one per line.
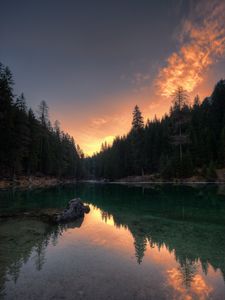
30, 145
189, 140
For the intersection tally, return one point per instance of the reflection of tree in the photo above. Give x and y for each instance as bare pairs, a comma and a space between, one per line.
25, 238
15, 270
157, 216
205, 267
140, 244
55, 234
188, 270
105, 216
191, 243
40, 256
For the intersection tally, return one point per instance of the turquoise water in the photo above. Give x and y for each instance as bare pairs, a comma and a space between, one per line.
137, 242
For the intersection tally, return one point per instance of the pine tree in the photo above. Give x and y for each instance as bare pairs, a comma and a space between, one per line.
43, 113
7, 149
21, 103
21, 135
211, 172
33, 148
29, 145
138, 121
179, 115
196, 101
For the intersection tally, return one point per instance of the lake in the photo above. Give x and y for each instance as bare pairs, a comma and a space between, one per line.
137, 242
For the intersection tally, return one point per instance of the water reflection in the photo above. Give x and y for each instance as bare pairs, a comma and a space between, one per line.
22, 238
175, 236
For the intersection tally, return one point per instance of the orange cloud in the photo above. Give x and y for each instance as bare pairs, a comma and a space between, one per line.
90, 132
98, 122
202, 42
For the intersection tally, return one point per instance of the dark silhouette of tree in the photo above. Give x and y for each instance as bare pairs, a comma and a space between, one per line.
138, 121
7, 149
29, 145
22, 135
136, 137
43, 113
179, 114
184, 142
189, 140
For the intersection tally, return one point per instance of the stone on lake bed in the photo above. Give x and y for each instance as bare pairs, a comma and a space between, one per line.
76, 209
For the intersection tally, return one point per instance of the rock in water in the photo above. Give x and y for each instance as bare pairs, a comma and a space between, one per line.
76, 209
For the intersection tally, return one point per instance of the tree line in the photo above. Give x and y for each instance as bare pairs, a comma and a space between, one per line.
189, 140
29, 144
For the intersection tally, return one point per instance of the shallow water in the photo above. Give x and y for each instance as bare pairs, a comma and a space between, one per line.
147, 242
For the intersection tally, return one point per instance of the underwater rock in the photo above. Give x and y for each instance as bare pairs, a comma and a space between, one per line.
76, 209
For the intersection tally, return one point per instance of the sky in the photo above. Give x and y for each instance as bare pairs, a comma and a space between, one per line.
92, 61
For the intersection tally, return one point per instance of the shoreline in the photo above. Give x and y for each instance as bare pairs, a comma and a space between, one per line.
33, 182
44, 182
150, 182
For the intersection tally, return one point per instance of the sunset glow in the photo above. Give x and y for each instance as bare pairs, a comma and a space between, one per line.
201, 43
93, 78
106, 234
199, 288
112, 149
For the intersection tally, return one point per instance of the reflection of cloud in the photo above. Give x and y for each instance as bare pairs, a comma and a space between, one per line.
202, 41
198, 289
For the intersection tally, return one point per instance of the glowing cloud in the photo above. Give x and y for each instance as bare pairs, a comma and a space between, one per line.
98, 122
201, 43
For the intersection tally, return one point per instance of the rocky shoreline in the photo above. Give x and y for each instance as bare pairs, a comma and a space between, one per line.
33, 181
156, 178
43, 182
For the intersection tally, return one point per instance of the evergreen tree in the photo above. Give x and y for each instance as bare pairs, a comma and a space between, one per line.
21, 135
137, 141
33, 148
7, 149
179, 145
138, 121
211, 172
29, 145
188, 140
179, 115
43, 113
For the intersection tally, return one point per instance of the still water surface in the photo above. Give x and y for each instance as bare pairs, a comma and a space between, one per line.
156, 242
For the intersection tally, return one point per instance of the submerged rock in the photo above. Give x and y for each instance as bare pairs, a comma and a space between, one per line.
76, 209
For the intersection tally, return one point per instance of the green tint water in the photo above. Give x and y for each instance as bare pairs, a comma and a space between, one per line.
137, 242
